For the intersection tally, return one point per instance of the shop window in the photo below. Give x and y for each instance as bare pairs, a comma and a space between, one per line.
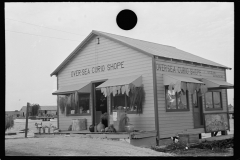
120, 102
213, 100
82, 107
176, 101
84, 103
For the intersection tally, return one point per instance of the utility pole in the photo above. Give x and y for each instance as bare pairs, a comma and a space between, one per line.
26, 126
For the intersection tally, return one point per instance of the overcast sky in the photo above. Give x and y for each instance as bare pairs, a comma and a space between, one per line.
39, 36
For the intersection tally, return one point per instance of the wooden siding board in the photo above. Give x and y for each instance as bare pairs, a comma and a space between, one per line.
171, 123
109, 52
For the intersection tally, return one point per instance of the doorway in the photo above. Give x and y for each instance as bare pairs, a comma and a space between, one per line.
99, 104
197, 109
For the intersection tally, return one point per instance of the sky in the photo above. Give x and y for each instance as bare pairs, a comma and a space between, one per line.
39, 36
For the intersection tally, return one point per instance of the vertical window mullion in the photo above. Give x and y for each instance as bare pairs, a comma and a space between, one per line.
125, 100
213, 99
165, 97
176, 100
112, 102
221, 99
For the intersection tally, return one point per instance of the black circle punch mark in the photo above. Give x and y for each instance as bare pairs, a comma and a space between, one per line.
126, 19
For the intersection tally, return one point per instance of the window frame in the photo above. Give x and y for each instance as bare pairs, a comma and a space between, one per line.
81, 114
112, 102
213, 109
176, 110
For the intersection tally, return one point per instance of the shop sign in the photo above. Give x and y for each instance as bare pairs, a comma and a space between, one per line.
216, 122
97, 69
185, 70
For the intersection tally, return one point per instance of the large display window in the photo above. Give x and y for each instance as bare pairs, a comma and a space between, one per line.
213, 100
75, 104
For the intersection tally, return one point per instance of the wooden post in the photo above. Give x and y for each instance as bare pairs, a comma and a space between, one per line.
26, 126
212, 134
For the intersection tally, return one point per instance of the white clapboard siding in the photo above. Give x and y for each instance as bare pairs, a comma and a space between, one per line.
171, 123
108, 52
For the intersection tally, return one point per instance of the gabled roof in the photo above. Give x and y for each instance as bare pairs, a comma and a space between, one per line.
23, 109
148, 48
48, 108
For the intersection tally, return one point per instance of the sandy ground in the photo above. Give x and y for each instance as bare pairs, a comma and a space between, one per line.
74, 146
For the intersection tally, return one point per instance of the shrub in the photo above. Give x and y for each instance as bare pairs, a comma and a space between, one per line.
9, 122
215, 145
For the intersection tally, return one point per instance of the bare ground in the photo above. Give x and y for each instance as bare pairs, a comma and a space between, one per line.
74, 146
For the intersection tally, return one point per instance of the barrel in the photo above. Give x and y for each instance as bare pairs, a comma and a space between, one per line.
79, 124
118, 124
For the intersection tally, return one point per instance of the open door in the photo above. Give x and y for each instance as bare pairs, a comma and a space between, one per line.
99, 104
197, 109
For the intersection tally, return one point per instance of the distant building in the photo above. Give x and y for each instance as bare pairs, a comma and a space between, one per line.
42, 110
23, 111
15, 113
48, 110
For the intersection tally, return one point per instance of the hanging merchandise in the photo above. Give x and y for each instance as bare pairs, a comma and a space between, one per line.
203, 89
127, 89
198, 87
76, 102
110, 90
177, 87
118, 89
123, 89
183, 92
195, 97
104, 91
184, 86
131, 86
170, 87
191, 87
114, 90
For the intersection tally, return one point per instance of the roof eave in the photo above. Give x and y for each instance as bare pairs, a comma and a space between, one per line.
100, 34
72, 54
224, 67
84, 42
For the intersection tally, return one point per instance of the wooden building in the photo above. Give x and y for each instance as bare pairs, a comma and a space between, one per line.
181, 89
23, 111
48, 110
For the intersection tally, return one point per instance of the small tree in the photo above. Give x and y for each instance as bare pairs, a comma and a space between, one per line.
34, 108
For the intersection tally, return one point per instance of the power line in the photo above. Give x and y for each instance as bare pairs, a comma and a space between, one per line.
40, 35
43, 26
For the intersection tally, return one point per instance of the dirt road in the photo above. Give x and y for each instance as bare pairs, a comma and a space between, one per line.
74, 146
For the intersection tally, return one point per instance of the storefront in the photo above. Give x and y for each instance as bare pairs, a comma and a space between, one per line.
160, 87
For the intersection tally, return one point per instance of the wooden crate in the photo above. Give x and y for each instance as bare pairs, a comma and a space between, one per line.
144, 142
193, 138
189, 138
79, 124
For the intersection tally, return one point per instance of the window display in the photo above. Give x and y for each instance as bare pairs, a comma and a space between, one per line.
176, 100
75, 103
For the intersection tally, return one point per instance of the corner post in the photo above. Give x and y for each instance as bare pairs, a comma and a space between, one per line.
57, 106
155, 98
